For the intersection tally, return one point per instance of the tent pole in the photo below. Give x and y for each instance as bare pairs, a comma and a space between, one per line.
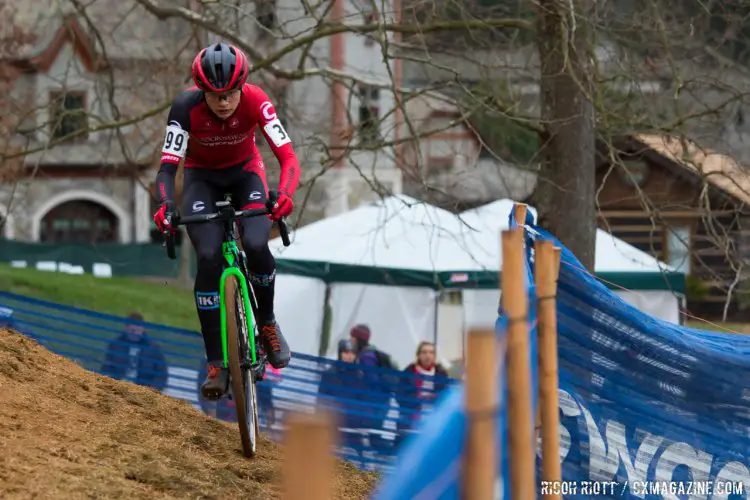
325, 328
435, 317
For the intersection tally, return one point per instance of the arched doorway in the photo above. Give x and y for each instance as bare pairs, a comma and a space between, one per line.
78, 221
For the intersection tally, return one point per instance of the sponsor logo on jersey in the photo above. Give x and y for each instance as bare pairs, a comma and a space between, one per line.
255, 195
198, 206
268, 112
234, 123
223, 140
165, 158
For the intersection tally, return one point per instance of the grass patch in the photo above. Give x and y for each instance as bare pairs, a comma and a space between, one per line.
159, 303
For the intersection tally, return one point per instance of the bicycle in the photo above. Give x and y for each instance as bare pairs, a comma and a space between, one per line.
246, 367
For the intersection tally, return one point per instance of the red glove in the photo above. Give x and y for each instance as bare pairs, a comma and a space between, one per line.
160, 217
283, 207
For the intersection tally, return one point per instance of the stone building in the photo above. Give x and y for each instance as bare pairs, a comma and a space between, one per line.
84, 157
88, 93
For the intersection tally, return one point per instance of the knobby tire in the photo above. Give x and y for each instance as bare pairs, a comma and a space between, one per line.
243, 381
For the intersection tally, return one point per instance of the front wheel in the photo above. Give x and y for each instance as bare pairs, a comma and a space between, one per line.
243, 379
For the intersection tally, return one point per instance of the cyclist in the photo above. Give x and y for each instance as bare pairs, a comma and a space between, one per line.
219, 117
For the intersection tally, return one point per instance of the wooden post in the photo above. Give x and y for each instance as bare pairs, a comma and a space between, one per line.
480, 461
557, 252
546, 267
520, 415
521, 209
309, 460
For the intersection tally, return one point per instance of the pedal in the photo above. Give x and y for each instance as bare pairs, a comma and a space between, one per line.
260, 370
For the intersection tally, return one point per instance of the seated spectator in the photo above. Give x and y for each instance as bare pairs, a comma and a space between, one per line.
134, 357
418, 391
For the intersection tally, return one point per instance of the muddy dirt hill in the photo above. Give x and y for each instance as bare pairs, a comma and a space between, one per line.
69, 433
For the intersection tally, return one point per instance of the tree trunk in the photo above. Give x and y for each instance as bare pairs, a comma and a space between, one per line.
565, 193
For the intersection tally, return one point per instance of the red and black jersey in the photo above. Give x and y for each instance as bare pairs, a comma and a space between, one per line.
208, 142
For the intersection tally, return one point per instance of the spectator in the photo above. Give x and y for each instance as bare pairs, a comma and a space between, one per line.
426, 379
342, 384
367, 354
380, 377
134, 357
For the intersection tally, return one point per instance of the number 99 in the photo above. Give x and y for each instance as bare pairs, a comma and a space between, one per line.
174, 142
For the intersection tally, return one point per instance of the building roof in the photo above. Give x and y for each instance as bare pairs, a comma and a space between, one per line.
125, 30
718, 169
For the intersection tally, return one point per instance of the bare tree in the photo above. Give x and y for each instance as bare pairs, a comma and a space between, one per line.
456, 103
565, 193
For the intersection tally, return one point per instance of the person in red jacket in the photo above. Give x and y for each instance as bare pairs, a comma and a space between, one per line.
212, 128
425, 379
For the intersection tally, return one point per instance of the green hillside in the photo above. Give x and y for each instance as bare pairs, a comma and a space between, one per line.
159, 303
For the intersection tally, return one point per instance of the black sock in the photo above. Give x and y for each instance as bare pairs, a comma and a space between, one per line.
263, 287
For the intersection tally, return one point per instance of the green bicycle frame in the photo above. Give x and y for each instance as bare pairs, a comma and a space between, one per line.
230, 251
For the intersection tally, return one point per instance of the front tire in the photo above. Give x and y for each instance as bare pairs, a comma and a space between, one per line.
243, 381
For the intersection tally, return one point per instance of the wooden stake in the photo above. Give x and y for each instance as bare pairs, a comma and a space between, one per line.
520, 415
480, 461
521, 209
309, 460
547, 265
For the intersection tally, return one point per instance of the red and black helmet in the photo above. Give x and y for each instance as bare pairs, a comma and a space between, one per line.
220, 68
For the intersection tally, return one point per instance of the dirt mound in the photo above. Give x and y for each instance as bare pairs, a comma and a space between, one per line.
69, 433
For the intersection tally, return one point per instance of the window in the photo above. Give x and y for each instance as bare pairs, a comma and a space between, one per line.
440, 164
633, 172
369, 114
370, 16
68, 115
265, 12
678, 247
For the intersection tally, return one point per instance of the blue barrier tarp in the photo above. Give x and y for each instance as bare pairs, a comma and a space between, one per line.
375, 408
434, 474
648, 409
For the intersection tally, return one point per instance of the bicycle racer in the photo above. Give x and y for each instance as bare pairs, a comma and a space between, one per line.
218, 118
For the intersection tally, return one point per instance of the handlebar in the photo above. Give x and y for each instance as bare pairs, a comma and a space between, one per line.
225, 213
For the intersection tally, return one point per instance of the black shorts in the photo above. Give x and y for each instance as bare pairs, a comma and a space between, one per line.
202, 188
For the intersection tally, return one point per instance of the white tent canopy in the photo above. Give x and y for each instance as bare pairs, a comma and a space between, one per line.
642, 277
385, 261
397, 233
